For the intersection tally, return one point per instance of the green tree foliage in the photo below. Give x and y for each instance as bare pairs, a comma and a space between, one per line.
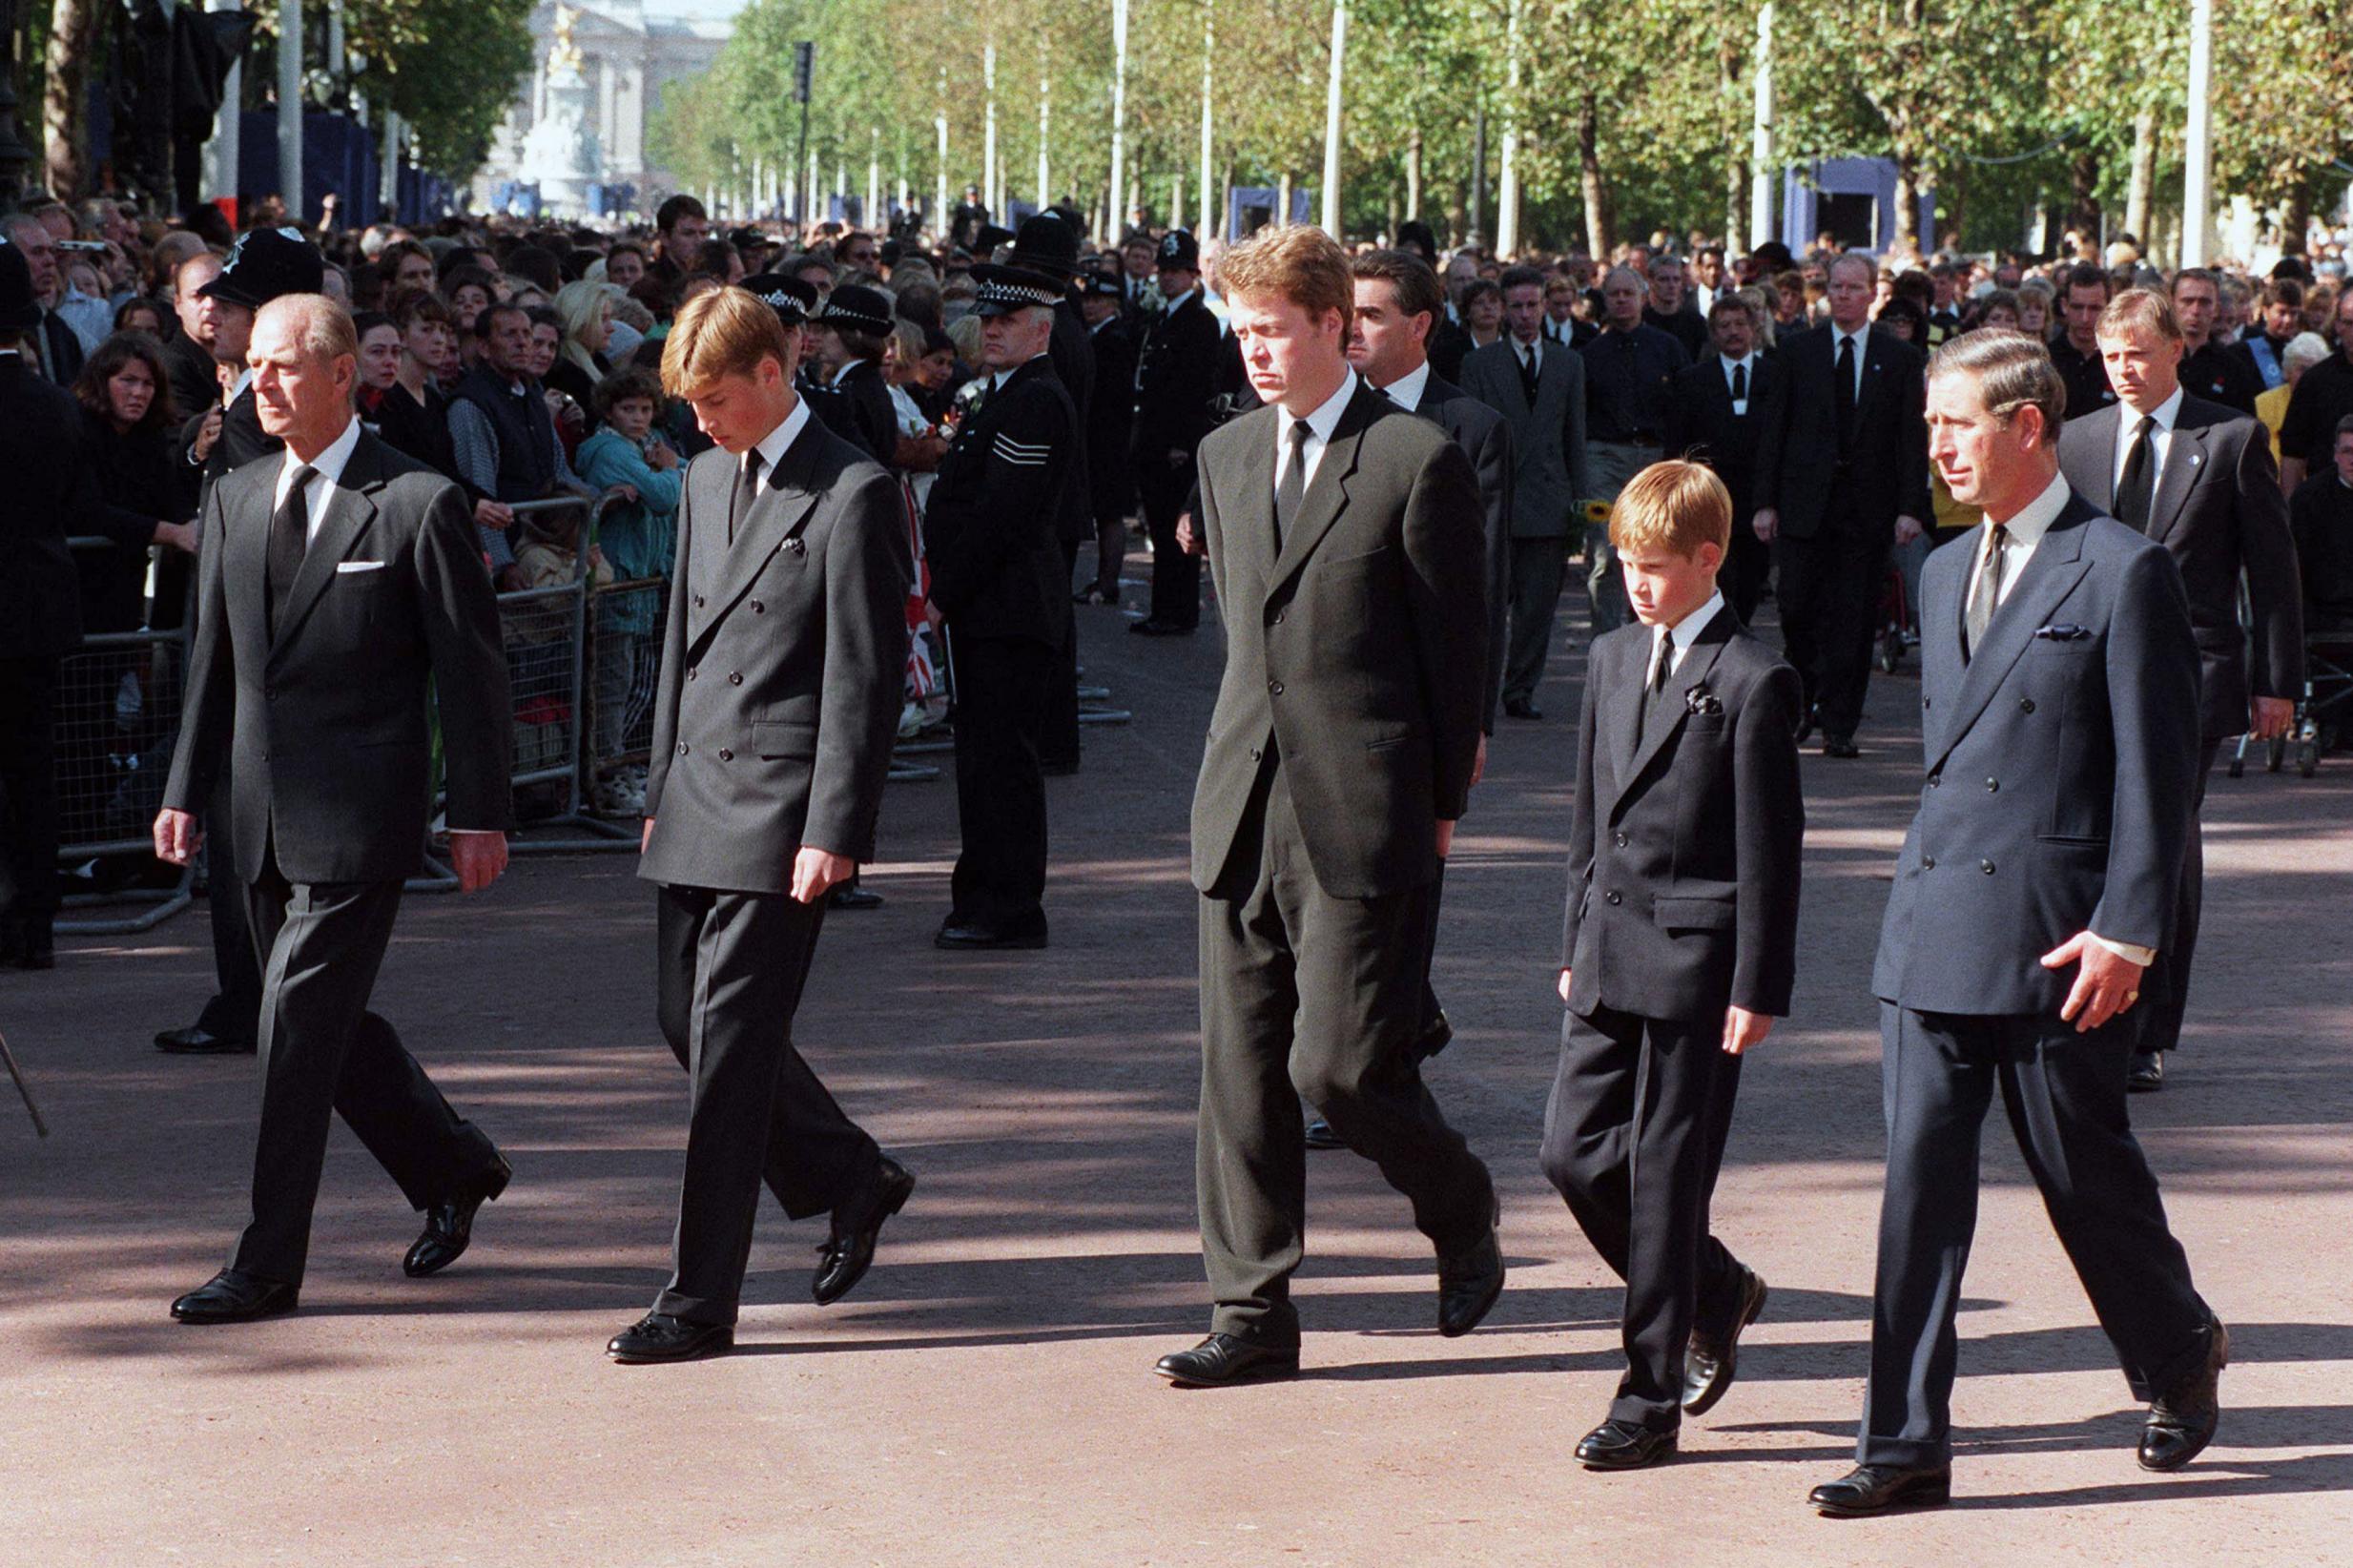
449, 68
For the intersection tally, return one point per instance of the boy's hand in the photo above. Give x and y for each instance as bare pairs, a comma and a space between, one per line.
1742, 1028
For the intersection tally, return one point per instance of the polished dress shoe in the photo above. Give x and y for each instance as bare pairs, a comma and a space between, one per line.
235, 1297
1840, 747
1875, 1489
1520, 708
2146, 1075
968, 936
850, 896
843, 1259
1435, 1035
658, 1336
1711, 1361
1806, 729
2183, 1419
1320, 1136
449, 1224
197, 1040
1625, 1444
1469, 1282
1223, 1359
1150, 627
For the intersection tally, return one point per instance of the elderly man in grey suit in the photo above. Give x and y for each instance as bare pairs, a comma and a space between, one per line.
337, 580
1539, 389
2059, 710
2198, 478
782, 658
1344, 536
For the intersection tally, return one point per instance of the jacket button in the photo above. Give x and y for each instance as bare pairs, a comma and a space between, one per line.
1993, 785
682, 748
1278, 617
758, 607
734, 677
1936, 781
1924, 702
698, 601
1986, 866
2025, 704
691, 671
1615, 899
726, 756
1254, 754
1274, 688
1927, 862
1618, 840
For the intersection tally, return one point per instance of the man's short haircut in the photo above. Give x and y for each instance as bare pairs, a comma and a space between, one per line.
1675, 506
485, 321
622, 385
666, 216
1665, 261
1727, 301
1293, 261
2139, 310
2013, 371
2197, 274
1852, 258
2344, 429
1520, 277
724, 332
1416, 285
325, 331
2086, 274
2283, 291
1622, 270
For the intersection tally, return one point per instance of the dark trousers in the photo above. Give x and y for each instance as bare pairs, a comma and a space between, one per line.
235, 1010
1305, 995
2064, 1093
1634, 1137
1111, 550
732, 967
1176, 576
1746, 564
1828, 588
29, 787
1058, 742
1001, 688
322, 1051
2166, 987
1537, 568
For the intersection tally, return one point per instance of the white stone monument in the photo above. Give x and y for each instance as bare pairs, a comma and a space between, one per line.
562, 154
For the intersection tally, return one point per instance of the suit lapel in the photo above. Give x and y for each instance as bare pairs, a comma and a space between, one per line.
787, 499
2052, 573
2184, 464
1327, 493
350, 512
1874, 365
1672, 708
1245, 522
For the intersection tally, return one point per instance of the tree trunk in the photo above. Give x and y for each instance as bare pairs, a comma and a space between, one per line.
65, 122
1907, 203
1728, 63
1413, 174
1600, 223
2083, 191
1479, 171
2295, 216
2143, 177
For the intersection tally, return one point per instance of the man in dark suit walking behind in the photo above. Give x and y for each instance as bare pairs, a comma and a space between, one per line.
1842, 478
1177, 370
782, 658
1679, 949
1715, 417
2059, 710
2198, 478
1345, 539
338, 578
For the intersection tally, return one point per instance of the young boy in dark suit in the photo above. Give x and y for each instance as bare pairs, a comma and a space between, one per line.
1677, 950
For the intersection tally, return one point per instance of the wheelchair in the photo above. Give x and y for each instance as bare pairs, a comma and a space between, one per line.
2320, 713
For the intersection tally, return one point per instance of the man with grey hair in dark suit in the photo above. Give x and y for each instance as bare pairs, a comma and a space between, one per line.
783, 652
2060, 715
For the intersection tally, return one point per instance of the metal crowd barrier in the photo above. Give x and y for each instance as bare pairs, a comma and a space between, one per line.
118, 711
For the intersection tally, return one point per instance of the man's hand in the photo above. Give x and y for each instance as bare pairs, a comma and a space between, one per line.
182, 537
1185, 538
1446, 838
1564, 988
206, 433
661, 459
2107, 983
492, 514
1766, 523
1907, 529
478, 858
1742, 1028
2271, 717
814, 871
644, 840
1177, 456
1479, 763
177, 839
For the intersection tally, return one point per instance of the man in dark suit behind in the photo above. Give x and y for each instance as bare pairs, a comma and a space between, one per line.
782, 657
2059, 707
343, 602
2199, 478
1345, 540
1842, 478
1111, 483
1715, 418
1177, 372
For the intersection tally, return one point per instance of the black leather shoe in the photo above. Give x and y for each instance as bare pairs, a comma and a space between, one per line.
1625, 1444
847, 1253
1806, 729
1152, 628
449, 1224
1875, 1489
658, 1336
961, 937
1222, 1359
197, 1040
1435, 1035
2182, 1421
1319, 1134
1468, 1284
235, 1297
850, 896
1712, 1360
1520, 708
2147, 1073
1840, 747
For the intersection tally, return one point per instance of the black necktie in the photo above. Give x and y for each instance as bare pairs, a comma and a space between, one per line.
1843, 395
289, 540
1661, 657
1739, 384
1294, 485
747, 491
2137, 484
1527, 373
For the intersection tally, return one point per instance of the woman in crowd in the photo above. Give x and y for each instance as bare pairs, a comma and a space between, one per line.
2302, 352
140, 313
412, 416
1997, 310
2035, 302
586, 311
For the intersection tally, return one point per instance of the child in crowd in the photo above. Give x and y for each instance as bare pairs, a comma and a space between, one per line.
639, 540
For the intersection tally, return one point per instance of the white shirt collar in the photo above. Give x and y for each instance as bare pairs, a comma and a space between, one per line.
1321, 421
328, 466
1535, 346
773, 446
1408, 390
2036, 517
237, 387
1687, 630
2167, 415
1749, 358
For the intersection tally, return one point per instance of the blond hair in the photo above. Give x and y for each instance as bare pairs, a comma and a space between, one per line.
1675, 506
2139, 310
727, 331
1292, 261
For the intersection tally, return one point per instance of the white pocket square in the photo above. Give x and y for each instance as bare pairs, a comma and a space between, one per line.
359, 566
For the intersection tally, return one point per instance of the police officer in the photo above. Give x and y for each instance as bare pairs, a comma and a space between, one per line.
1177, 373
999, 586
